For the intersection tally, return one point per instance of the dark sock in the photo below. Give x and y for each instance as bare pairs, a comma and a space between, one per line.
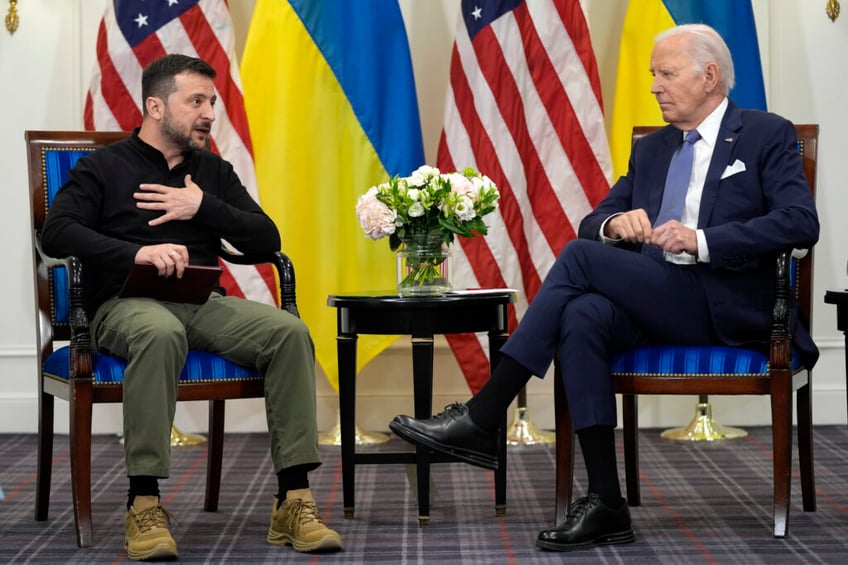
142, 485
598, 446
487, 407
292, 478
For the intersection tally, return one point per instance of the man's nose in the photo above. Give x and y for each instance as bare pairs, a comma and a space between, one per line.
655, 86
209, 112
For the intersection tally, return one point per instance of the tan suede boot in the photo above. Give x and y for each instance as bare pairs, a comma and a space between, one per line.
147, 534
298, 523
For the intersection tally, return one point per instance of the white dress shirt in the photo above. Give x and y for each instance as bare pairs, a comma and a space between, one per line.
702, 155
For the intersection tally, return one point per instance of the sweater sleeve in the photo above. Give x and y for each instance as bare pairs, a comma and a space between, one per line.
232, 213
69, 227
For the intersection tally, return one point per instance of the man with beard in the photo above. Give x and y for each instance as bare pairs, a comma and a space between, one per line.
160, 198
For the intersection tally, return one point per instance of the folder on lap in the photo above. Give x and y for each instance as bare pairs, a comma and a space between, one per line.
143, 281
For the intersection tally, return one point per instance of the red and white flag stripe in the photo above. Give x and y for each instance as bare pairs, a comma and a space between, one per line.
523, 107
113, 102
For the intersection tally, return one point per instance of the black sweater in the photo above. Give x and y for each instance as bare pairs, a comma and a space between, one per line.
94, 215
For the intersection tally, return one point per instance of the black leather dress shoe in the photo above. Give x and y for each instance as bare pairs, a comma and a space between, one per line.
451, 432
589, 522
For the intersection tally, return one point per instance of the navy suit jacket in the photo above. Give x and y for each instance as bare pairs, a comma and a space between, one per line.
747, 217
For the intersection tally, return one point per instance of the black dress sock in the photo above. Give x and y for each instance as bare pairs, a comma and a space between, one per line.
142, 485
292, 478
598, 446
488, 406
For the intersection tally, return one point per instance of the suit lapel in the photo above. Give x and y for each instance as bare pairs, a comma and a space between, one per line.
728, 135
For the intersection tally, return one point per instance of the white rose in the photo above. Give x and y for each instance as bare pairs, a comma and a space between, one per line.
464, 209
416, 210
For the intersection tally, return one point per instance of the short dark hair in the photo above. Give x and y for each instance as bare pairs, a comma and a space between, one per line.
158, 77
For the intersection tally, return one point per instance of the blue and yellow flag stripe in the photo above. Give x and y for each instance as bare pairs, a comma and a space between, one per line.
331, 103
634, 104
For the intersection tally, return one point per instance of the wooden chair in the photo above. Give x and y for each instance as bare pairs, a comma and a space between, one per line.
778, 374
84, 377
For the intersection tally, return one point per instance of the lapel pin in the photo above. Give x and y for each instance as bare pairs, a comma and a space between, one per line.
728, 139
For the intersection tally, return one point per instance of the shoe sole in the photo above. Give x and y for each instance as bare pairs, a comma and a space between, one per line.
473, 457
326, 544
162, 551
607, 539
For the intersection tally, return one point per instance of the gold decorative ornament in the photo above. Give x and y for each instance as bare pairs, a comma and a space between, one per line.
179, 438
334, 435
12, 19
703, 427
524, 432
832, 9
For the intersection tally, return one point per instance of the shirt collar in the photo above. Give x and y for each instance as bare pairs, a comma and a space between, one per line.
711, 124
154, 154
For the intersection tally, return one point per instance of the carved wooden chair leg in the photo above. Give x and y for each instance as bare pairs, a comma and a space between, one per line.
44, 469
214, 457
630, 417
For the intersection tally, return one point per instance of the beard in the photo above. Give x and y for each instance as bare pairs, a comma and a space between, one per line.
182, 138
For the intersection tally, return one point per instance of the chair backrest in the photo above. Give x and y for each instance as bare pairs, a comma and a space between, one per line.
808, 144
50, 156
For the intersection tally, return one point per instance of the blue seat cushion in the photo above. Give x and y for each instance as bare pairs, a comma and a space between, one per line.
704, 360
108, 369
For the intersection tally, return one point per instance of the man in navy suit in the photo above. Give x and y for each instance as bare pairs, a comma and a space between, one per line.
705, 276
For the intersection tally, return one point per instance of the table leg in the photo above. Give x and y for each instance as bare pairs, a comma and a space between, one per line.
846, 359
840, 300
422, 391
496, 340
346, 345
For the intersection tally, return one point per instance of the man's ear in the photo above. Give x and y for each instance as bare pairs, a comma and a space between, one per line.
710, 76
155, 107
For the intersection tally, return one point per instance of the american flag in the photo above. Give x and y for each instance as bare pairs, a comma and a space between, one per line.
131, 35
523, 107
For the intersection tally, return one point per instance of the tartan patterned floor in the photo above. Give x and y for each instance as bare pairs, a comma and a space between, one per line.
701, 503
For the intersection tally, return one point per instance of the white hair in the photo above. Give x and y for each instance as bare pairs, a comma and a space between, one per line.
706, 46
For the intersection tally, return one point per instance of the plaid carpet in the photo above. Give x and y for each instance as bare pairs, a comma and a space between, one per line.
701, 503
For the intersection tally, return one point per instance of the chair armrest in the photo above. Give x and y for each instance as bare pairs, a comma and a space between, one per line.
285, 272
780, 341
80, 339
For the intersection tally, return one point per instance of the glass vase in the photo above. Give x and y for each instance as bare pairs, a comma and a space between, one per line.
423, 266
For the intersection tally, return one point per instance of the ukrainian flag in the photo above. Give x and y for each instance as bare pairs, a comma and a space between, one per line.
634, 104
331, 103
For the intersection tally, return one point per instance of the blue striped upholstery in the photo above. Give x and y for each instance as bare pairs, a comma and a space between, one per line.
57, 164
200, 367
694, 361
698, 360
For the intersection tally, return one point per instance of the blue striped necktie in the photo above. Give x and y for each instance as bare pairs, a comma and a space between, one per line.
677, 180
676, 187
